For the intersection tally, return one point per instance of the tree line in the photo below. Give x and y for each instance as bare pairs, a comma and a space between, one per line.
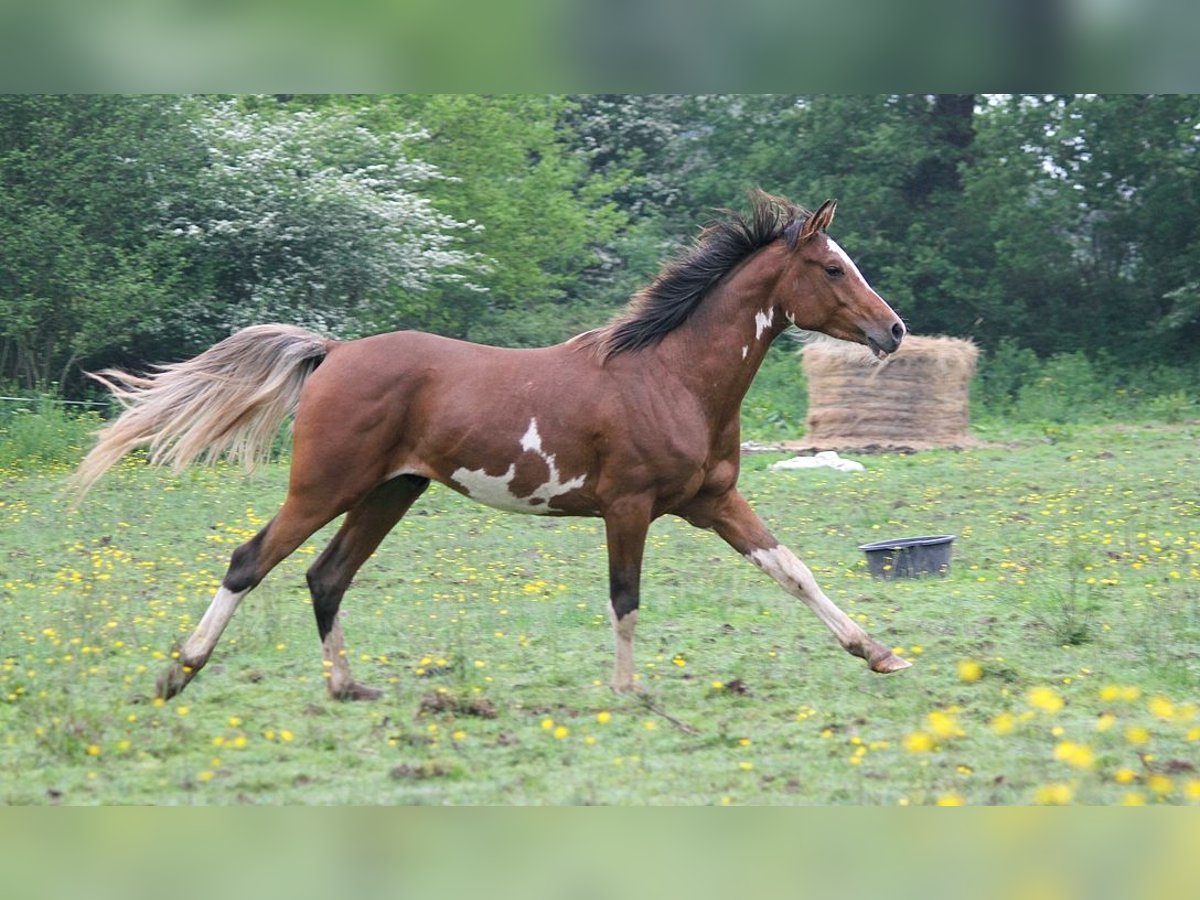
136, 229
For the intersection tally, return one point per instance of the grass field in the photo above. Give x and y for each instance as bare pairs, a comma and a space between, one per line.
1059, 661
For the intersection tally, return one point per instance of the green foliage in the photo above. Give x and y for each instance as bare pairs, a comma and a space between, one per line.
44, 433
1013, 385
141, 229
777, 402
540, 217
1001, 375
84, 272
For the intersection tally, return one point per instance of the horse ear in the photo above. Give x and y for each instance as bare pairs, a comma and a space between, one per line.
819, 220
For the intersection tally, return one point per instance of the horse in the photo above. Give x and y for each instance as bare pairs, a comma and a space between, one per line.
628, 422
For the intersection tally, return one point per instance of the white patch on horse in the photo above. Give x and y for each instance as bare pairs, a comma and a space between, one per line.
844, 258
496, 490
762, 321
532, 440
745, 350
200, 644
797, 579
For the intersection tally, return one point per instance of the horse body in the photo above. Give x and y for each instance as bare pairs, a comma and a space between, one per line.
628, 423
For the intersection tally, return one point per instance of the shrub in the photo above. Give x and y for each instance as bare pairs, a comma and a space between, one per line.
43, 431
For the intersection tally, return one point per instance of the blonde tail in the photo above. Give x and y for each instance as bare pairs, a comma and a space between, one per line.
231, 399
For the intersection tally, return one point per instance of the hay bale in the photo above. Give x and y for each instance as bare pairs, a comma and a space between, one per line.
916, 399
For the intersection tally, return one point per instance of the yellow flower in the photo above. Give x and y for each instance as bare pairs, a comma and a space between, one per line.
1109, 692
561, 732
1045, 698
942, 725
1002, 724
717, 685
1105, 721
458, 735
1192, 789
234, 721
1160, 784
1124, 776
1137, 735
745, 766
649, 724
969, 671
93, 750
1057, 794
918, 742
1161, 707
547, 724
286, 735
182, 710
1078, 756
1133, 798
206, 775
604, 717
953, 798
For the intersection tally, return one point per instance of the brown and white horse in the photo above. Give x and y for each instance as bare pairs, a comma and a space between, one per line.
628, 422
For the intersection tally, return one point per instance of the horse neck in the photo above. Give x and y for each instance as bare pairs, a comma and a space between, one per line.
718, 350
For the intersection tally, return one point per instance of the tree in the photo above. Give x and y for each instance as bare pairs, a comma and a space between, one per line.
542, 219
84, 271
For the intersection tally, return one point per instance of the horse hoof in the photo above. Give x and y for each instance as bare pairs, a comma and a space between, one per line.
890, 663
356, 691
172, 681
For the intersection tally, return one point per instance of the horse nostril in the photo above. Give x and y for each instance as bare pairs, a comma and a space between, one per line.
898, 332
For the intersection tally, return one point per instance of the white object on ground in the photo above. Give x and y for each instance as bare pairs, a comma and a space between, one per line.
826, 459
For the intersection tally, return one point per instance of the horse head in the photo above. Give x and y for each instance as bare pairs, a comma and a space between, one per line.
821, 289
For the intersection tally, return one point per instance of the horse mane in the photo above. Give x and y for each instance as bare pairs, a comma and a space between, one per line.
682, 284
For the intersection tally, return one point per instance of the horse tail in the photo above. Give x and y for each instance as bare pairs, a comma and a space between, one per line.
231, 399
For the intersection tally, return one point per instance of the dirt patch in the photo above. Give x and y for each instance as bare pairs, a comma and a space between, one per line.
444, 701
420, 771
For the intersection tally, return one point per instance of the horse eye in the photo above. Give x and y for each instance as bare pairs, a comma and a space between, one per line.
834, 271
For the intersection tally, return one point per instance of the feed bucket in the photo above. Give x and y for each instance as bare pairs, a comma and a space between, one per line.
909, 557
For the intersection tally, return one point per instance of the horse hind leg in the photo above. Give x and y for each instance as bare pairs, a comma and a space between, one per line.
365, 527
249, 564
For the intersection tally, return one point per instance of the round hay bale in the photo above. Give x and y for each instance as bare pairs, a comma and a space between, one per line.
916, 399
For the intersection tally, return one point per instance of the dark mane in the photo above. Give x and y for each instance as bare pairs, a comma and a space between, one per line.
676, 292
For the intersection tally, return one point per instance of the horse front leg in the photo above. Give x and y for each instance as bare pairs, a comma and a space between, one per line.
733, 519
626, 526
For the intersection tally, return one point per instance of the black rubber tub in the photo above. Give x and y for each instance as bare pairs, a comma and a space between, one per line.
909, 557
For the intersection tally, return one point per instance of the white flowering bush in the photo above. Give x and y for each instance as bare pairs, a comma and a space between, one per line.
312, 218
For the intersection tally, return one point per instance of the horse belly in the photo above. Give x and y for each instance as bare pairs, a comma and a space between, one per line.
524, 476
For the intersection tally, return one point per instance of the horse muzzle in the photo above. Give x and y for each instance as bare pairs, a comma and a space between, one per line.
885, 341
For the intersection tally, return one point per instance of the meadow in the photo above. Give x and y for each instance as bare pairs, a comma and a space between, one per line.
1057, 663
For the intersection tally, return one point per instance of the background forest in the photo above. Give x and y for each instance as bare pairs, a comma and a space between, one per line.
1059, 232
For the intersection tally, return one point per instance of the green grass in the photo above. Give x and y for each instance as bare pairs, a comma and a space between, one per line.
1075, 587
